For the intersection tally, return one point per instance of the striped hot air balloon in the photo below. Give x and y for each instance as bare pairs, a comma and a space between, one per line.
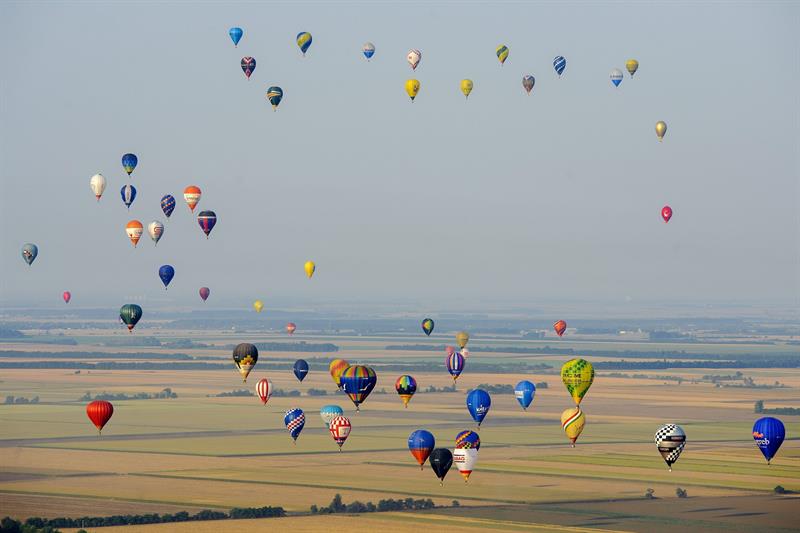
192, 195
559, 63
357, 382
455, 365
168, 204
134, 230
340, 429
572, 422
406, 386
207, 220
304, 41
264, 390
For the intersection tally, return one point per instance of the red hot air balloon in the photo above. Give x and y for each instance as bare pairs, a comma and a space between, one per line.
290, 327
204, 293
99, 412
264, 390
666, 213
67, 296
560, 327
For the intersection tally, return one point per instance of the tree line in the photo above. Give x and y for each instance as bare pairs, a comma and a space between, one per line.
759, 408
407, 504
163, 394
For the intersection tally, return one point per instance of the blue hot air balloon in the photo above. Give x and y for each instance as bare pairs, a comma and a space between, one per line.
29, 252
616, 77
421, 443
559, 63
304, 41
329, 412
294, 419
300, 369
769, 433
524, 392
236, 35
455, 365
128, 193
166, 273
478, 403
167, 204
368, 50
129, 162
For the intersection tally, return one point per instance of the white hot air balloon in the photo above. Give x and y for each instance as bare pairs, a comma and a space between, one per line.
414, 57
670, 441
155, 229
98, 185
616, 77
465, 459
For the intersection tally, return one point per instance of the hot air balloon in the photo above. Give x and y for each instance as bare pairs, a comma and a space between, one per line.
464, 352
405, 386
264, 390
357, 382
441, 460
304, 41
245, 357
528, 82
168, 203
616, 77
572, 422
248, 65
192, 196
478, 403
559, 63
465, 459
661, 130
166, 273
300, 369
560, 326
340, 429
666, 213
455, 365
204, 293
670, 440
99, 412
207, 221
134, 229
368, 50
466, 87
421, 443
98, 185
414, 57
29, 252
67, 296
129, 162
427, 326
310, 267
329, 412
336, 368
462, 338
577, 375
449, 350
769, 434
502, 53
412, 88
130, 315
236, 35
258, 305
524, 393
632, 66
274, 95
155, 229
468, 439
294, 419
128, 193
290, 328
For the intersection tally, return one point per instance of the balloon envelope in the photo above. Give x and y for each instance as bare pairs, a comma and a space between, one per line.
559, 64
455, 364
98, 185
245, 357
291, 327
405, 386
466, 87
236, 35
134, 230
304, 41
310, 267
528, 82
427, 326
441, 460
264, 390
204, 293
191, 195
421, 443
207, 220
412, 88
769, 433
560, 327
67, 296
258, 305
462, 338
661, 129
294, 419
502, 53
368, 50
632, 66
478, 404
128, 194
129, 162
329, 412
336, 368
577, 376
468, 439
99, 412
248, 66
357, 382
524, 392
572, 422
155, 229
465, 459
167, 204
300, 369
166, 273
340, 429
274, 96
130, 314
414, 57
29, 252
670, 441
666, 213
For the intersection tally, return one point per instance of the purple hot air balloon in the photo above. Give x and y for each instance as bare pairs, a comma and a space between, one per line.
207, 221
204, 292
248, 65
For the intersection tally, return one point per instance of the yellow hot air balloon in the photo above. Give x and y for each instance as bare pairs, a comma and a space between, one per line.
661, 130
502, 53
632, 66
336, 368
572, 421
577, 375
258, 305
310, 268
462, 338
466, 87
412, 88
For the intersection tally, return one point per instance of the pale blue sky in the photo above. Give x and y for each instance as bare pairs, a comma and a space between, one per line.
441, 203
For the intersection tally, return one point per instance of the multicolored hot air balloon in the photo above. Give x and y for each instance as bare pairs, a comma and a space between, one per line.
427, 326
329, 412
670, 441
248, 65
769, 433
441, 460
466, 87
134, 229
166, 273
421, 443
632, 66
340, 429
205, 292
368, 50
524, 393
294, 419
155, 229
264, 390
67, 296
559, 63
572, 422
99, 412
405, 386
258, 305
207, 221
478, 403
300, 369
304, 41
412, 88
236, 35
29, 252
468, 439
666, 213
336, 368
455, 365
192, 195
168, 204
357, 382
465, 460
130, 314
129, 162
128, 194
274, 95
310, 267
560, 327
462, 338
502, 53
528, 82
291, 327
577, 375
414, 57
245, 357
616, 77
98, 185
661, 130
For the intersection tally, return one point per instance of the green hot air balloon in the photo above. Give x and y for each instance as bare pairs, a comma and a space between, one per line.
130, 315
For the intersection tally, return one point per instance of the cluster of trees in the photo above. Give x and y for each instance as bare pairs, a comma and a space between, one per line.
233, 393
111, 365
679, 379
9, 333
760, 409
750, 362
317, 392
408, 504
164, 394
14, 354
9, 525
301, 346
431, 388
18, 400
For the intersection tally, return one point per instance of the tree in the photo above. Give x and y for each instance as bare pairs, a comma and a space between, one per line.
759, 407
779, 490
650, 494
681, 493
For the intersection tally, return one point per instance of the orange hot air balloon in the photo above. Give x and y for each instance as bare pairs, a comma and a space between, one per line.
560, 327
192, 195
134, 229
290, 327
99, 412
336, 368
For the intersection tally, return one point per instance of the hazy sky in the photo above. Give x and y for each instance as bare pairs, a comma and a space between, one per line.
444, 203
